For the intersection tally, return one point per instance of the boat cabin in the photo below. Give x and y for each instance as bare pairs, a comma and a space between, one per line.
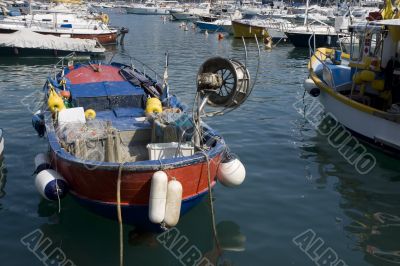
375, 63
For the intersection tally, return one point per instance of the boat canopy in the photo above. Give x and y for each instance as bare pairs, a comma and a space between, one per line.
25, 38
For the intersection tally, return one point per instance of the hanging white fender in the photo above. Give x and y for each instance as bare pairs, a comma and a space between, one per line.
158, 197
174, 201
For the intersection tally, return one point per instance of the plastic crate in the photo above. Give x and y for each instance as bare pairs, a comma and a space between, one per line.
159, 151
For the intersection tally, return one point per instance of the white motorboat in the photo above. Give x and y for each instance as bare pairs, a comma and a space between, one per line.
62, 23
191, 13
25, 42
153, 8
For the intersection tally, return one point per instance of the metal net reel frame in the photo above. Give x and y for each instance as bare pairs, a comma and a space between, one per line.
231, 82
208, 94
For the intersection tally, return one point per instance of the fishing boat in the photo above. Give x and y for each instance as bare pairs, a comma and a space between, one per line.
219, 25
361, 89
262, 28
25, 43
248, 29
118, 140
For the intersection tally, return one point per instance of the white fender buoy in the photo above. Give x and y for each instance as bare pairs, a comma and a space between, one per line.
158, 197
309, 84
231, 173
174, 201
42, 162
51, 185
310, 87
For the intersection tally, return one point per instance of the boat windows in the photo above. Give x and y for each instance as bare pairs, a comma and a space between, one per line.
47, 20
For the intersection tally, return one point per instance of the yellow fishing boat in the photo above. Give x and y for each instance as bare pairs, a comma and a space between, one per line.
361, 90
246, 29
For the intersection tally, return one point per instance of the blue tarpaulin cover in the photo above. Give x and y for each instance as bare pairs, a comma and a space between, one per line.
98, 89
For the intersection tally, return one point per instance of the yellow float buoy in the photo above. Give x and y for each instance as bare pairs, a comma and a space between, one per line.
153, 105
90, 114
55, 102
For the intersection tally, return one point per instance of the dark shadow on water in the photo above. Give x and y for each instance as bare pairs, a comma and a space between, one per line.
3, 177
87, 239
28, 61
299, 53
370, 202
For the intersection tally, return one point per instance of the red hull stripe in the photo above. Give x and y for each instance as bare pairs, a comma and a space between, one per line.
101, 185
87, 74
130, 204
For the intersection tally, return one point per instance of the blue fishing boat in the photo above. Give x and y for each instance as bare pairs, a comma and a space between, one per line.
127, 149
219, 25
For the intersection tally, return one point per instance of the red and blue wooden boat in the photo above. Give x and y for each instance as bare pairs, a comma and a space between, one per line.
118, 94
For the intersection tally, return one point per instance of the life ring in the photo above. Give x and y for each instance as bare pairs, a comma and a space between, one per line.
90, 114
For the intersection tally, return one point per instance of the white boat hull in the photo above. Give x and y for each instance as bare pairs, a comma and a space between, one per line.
376, 129
147, 11
184, 16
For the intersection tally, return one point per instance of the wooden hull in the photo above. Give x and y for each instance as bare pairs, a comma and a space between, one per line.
100, 184
106, 38
247, 31
96, 189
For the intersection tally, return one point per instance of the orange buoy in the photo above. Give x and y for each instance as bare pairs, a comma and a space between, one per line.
65, 94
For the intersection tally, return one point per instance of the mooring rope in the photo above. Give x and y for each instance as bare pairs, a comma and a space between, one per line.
121, 228
214, 227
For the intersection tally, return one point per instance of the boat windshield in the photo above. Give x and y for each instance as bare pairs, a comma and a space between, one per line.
366, 43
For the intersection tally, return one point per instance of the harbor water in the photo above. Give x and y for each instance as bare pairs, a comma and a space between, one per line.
299, 190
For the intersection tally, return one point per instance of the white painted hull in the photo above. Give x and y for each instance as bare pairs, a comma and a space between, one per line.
380, 130
147, 11
184, 16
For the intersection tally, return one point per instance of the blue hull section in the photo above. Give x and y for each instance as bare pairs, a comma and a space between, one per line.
207, 26
137, 215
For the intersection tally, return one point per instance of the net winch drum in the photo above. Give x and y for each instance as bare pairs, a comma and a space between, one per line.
226, 82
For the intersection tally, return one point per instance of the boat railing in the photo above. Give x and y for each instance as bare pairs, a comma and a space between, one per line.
313, 50
144, 68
